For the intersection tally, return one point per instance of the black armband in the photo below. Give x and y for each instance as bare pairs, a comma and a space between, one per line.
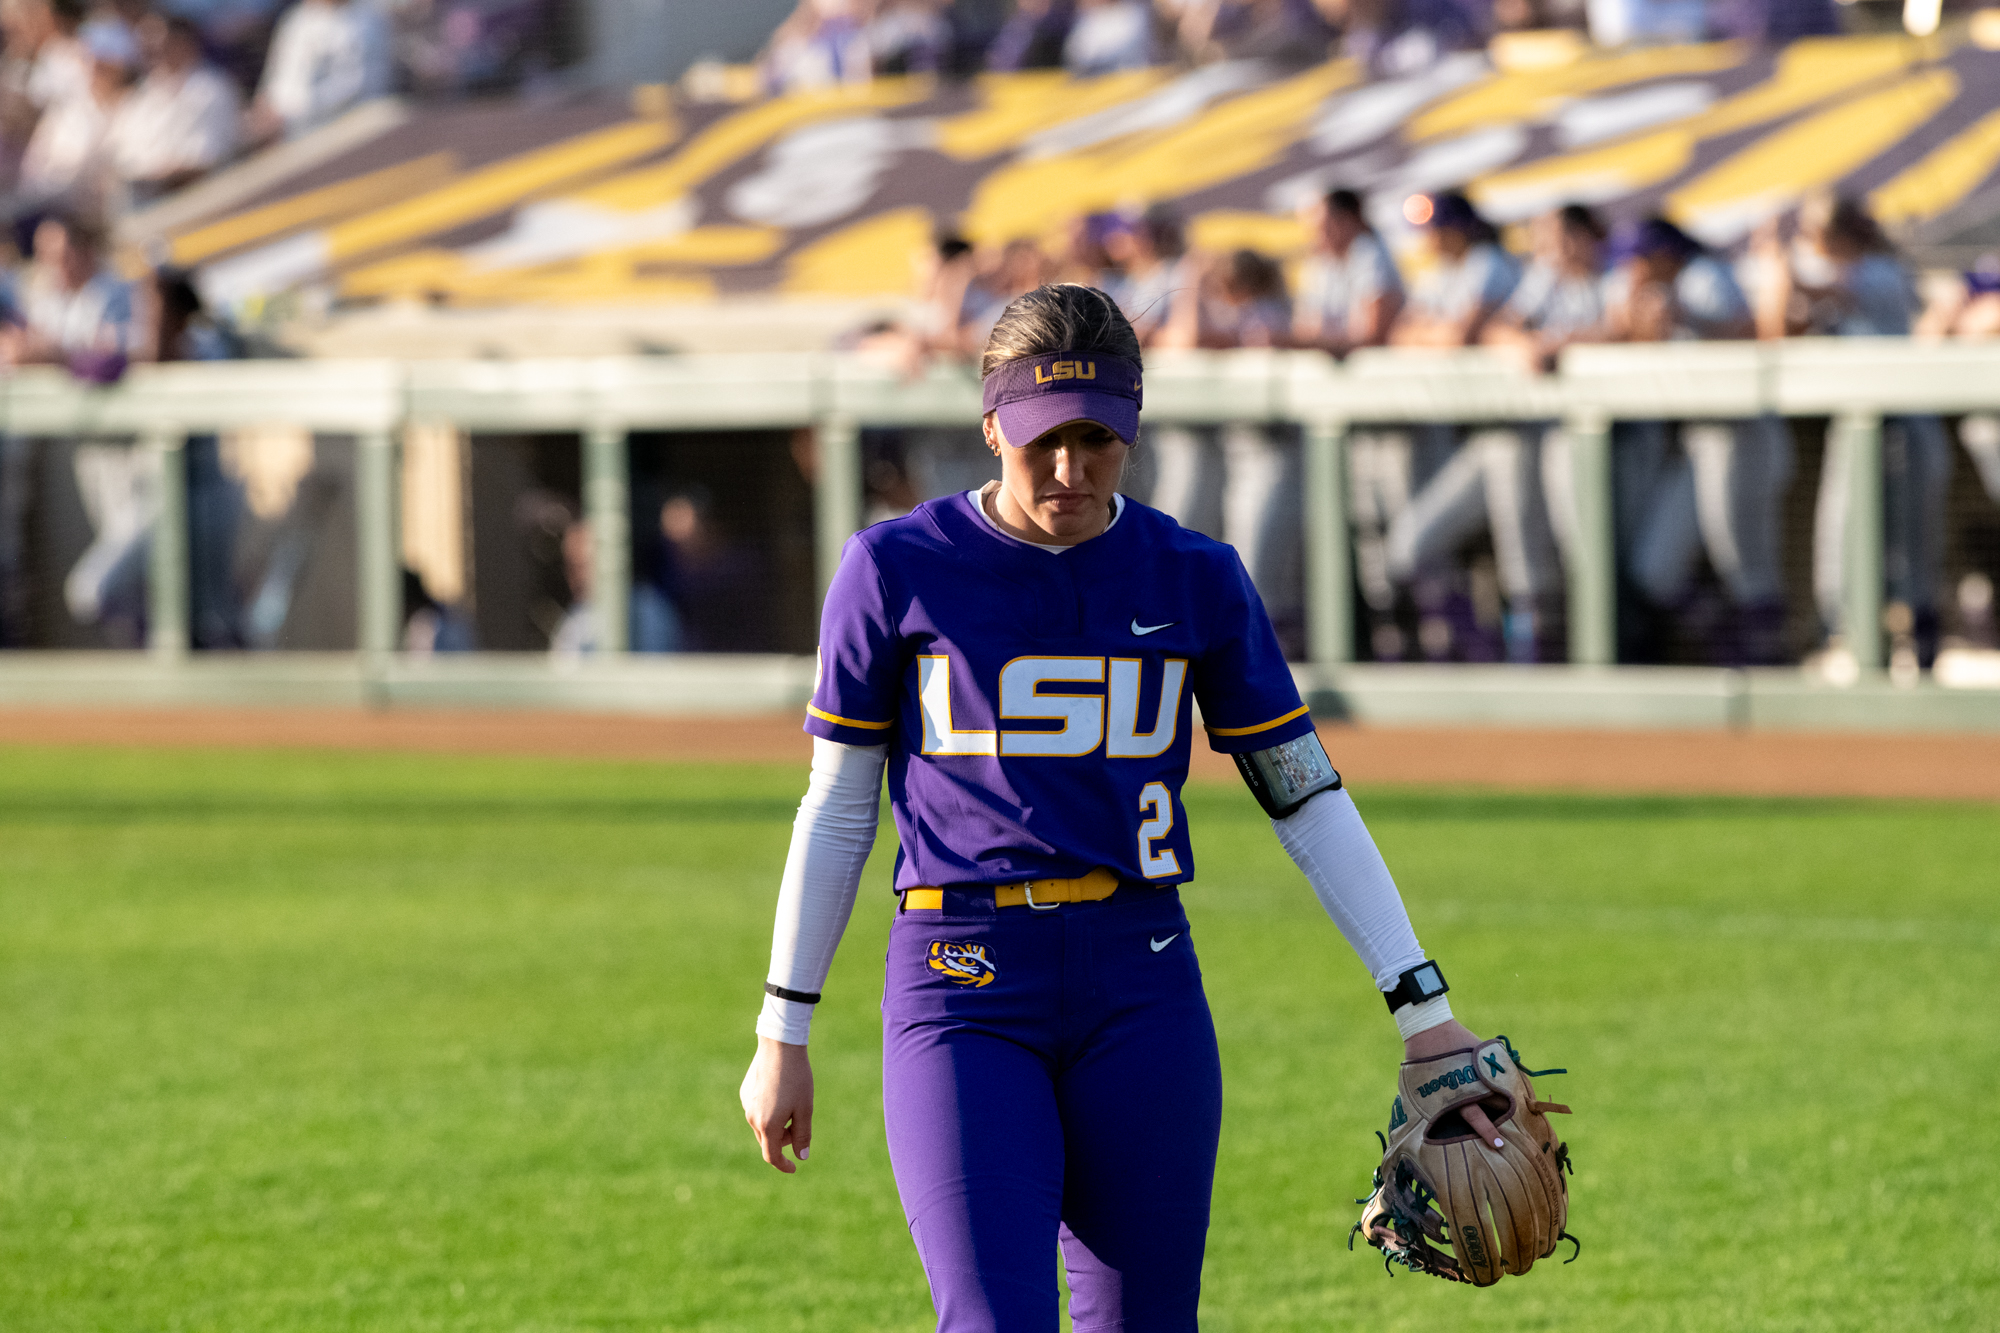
1420, 983
1285, 777
795, 996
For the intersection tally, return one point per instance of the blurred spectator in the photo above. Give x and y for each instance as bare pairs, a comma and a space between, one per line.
170, 324
1469, 278
1969, 307
1721, 493
235, 34
653, 622
429, 626
1350, 294
1525, 470
106, 587
1109, 35
1560, 299
41, 63
1646, 22
68, 310
460, 46
1529, 15
694, 588
80, 316
1667, 287
1349, 290
908, 37
118, 485
1840, 277
46, 34
1422, 492
953, 310
1240, 484
1287, 32
888, 489
1399, 37
822, 45
1559, 303
326, 56
1148, 255
1980, 434
180, 122
945, 272
17, 486
943, 285
1977, 627
1033, 37
68, 163
1087, 252
1019, 267
74, 311
940, 460
717, 584
1239, 301
1772, 22
1657, 22
580, 633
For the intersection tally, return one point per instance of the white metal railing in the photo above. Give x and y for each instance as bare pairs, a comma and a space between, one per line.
1854, 381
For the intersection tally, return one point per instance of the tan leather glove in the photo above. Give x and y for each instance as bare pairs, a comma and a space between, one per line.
1497, 1209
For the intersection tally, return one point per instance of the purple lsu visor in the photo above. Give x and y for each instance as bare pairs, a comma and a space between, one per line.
1036, 394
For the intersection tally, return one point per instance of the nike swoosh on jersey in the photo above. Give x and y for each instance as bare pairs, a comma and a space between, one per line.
1143, 630
1161, 944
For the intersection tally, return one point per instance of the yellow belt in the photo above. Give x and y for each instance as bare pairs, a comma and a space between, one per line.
1099, 883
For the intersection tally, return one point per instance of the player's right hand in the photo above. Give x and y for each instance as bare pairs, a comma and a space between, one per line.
777, 1098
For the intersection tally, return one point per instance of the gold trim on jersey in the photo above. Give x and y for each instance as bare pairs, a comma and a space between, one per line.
1261, 726
839, 721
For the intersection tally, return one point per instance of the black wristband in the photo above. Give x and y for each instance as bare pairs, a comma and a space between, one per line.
1420, 983
795, 996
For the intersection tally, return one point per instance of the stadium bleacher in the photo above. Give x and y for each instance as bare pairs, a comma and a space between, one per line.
828, 193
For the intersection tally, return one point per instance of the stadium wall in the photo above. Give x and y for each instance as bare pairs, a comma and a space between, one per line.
1855, 382
1610, 698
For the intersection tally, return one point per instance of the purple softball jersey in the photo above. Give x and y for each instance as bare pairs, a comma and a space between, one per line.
1038, 706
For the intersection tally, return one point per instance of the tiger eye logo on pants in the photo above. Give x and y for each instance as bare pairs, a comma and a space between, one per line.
962, 964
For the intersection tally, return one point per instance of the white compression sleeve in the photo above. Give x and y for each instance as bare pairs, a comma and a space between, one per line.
1331, 846
831, 839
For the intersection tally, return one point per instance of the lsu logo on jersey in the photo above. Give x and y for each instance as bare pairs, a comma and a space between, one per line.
962, 964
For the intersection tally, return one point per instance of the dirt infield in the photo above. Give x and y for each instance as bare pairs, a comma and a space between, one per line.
1761, 763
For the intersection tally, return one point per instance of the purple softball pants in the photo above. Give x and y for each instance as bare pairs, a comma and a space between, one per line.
1050, 1077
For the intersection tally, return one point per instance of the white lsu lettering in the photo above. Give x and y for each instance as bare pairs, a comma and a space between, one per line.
1089, 720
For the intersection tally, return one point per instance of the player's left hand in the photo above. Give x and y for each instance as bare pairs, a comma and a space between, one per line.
777, 1097
1453, 1036
1448, 1205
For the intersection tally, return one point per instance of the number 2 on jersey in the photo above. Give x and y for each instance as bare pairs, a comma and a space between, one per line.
1155, 797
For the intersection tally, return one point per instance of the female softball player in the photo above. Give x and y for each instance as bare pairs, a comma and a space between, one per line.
1023, 660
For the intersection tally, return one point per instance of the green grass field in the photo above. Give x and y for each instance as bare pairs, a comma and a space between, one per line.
303, 1042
